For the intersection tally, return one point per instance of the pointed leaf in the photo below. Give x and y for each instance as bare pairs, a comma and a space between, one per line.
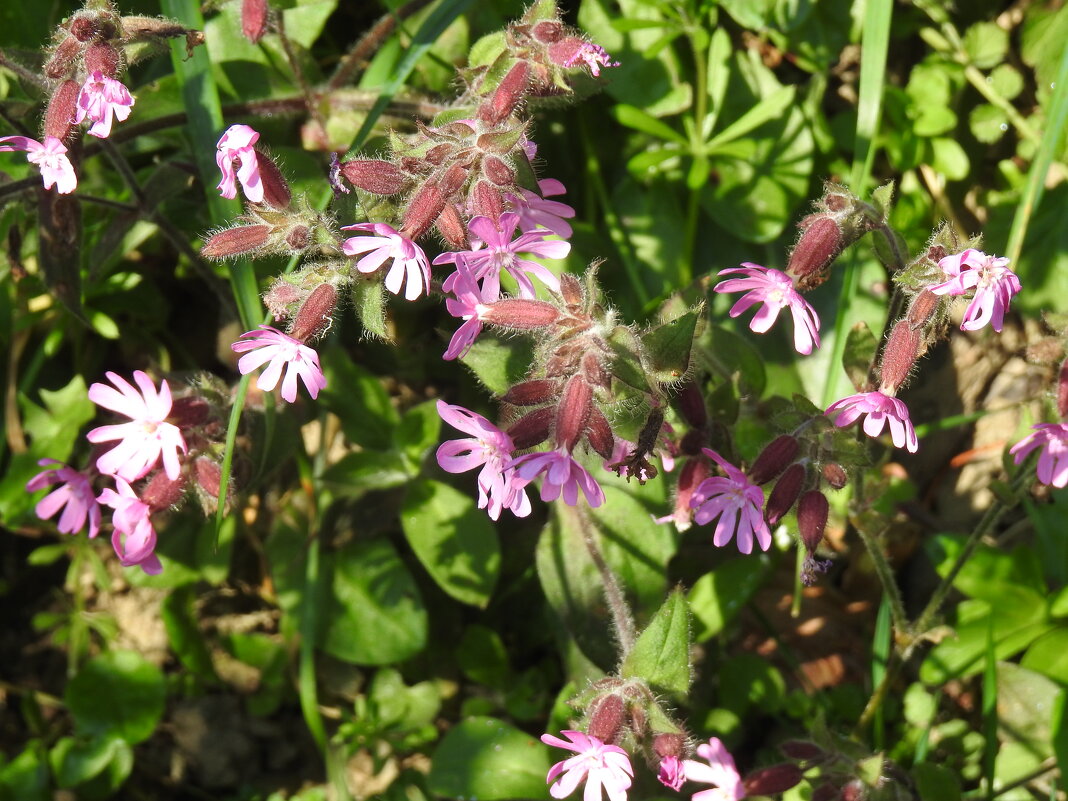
859, 353
661, 656
668, 347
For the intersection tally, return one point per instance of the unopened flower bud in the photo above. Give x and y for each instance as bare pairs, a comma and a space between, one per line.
802, 751
819, 244
694, 471
692, 405
497, 171
280, 297
189, 411
253, 19
835, 475
784, 493
507, 96
776, 457
548, 31
854, 791
487, 200
899, 355
162, 492
103, 58
606, 717
573, 412
520, 314
825, 792
454, 178
297, 237
437, 154
692, 442
599, 434
532, 429
571, 290
532, 393
812, 518
922, 308
316, 313
593, 369
276, 192
208, 477
772, 780
452, 229
668, 744
235, 241
1062, 390
638, 720
59, 65
62, 107
85, 28
423, 210
374, 175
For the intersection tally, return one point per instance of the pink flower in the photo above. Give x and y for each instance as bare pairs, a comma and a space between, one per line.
494, 250
994, 283
50, 158
672, 773
776, 291
734, 500
1051, 439
535, 211
719, 771
101, 99
75, 496
239, 143
277, 351
880, 410
143, 440
592, 56
563, 476
597, 764
469, 305
386, 243
489, 447
134, 539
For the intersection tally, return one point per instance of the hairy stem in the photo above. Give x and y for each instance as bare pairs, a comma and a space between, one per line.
886, 578
357, 58
622, 618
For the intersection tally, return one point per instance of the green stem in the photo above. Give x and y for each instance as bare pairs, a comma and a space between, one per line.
886, 578
697, 148
622, 618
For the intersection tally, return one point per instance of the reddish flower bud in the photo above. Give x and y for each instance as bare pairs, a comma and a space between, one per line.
571, 290
922, 308
298, 236
825, 792
835, 475
189, 411
437, 154
772, 780
899, 355
507, 96
454, 178
818, 246
776, 457
694, 470
854, 791
548, 31
532, 429
487, 200
452, 228
497, 171
63, 105
573, 413
104, 58
316, 313
785, 492
599, 434
802, 751
374, 176
62, 58
521, 314
692, 405
85, 28
669, 744
423, 210
692, 442
208, 476
235, 241
812, 518
1062, 390
276, 192
161, 492
532, 393
253, 19
594, 371
606, 717
280, 297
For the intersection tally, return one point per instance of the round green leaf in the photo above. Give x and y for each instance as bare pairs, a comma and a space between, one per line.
986, 43
117, 694
988, 123
949, 158
487, 759
1006, 80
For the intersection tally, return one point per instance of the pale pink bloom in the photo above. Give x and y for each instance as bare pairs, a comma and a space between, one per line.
50, 158
880, 409
535, 211
593, 57
776, 291
277, 350
143, 440
1051, 440
736, 502
994, 283
596, 763
74, 496
101, 99
493, 250
469, 305
239, 143
719, 771
563, 476
489, 448
672, 772
410, 265
134, 539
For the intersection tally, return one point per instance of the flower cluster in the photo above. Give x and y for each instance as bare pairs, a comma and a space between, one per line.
994, 283
775, 290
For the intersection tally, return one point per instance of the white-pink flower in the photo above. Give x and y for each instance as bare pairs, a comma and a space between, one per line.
672, 772
737, 503
468, 304
775, 290
144, 440
719, 771
410, 265
880, 410
561, 476
597, 764
1051, 441
489, 448
134, 538
74, 496
101, 99
994, 283
50, 158
592, 56
279, 351
238, 143
537, 212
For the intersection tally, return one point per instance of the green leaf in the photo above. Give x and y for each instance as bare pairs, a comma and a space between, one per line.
488, 759
949, 158
988, 123
1048, 655
499, 365
305, 22
637, 119
668, 347
986, 43
183, 631
453, 540
1007, 81
717, 597
768, 109
1025, 702
859, 353
936, 781
77, 762
752, 14
117, 694
375, 614
483, 658
369, 298
358, 398
417, 432
368, 470
661, 655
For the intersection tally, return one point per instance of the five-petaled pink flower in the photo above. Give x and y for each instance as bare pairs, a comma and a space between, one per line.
134, 539
596, 763
469, 305
994, 283
489, 447
535, 211
880, 410
409, 260
239, 143
74, 496
776, 291
277, 350
143, 440
736, 502
563, 476
50, 158
101, 99
1051, 440
719, 771
592, 56
672, 772
494, 250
